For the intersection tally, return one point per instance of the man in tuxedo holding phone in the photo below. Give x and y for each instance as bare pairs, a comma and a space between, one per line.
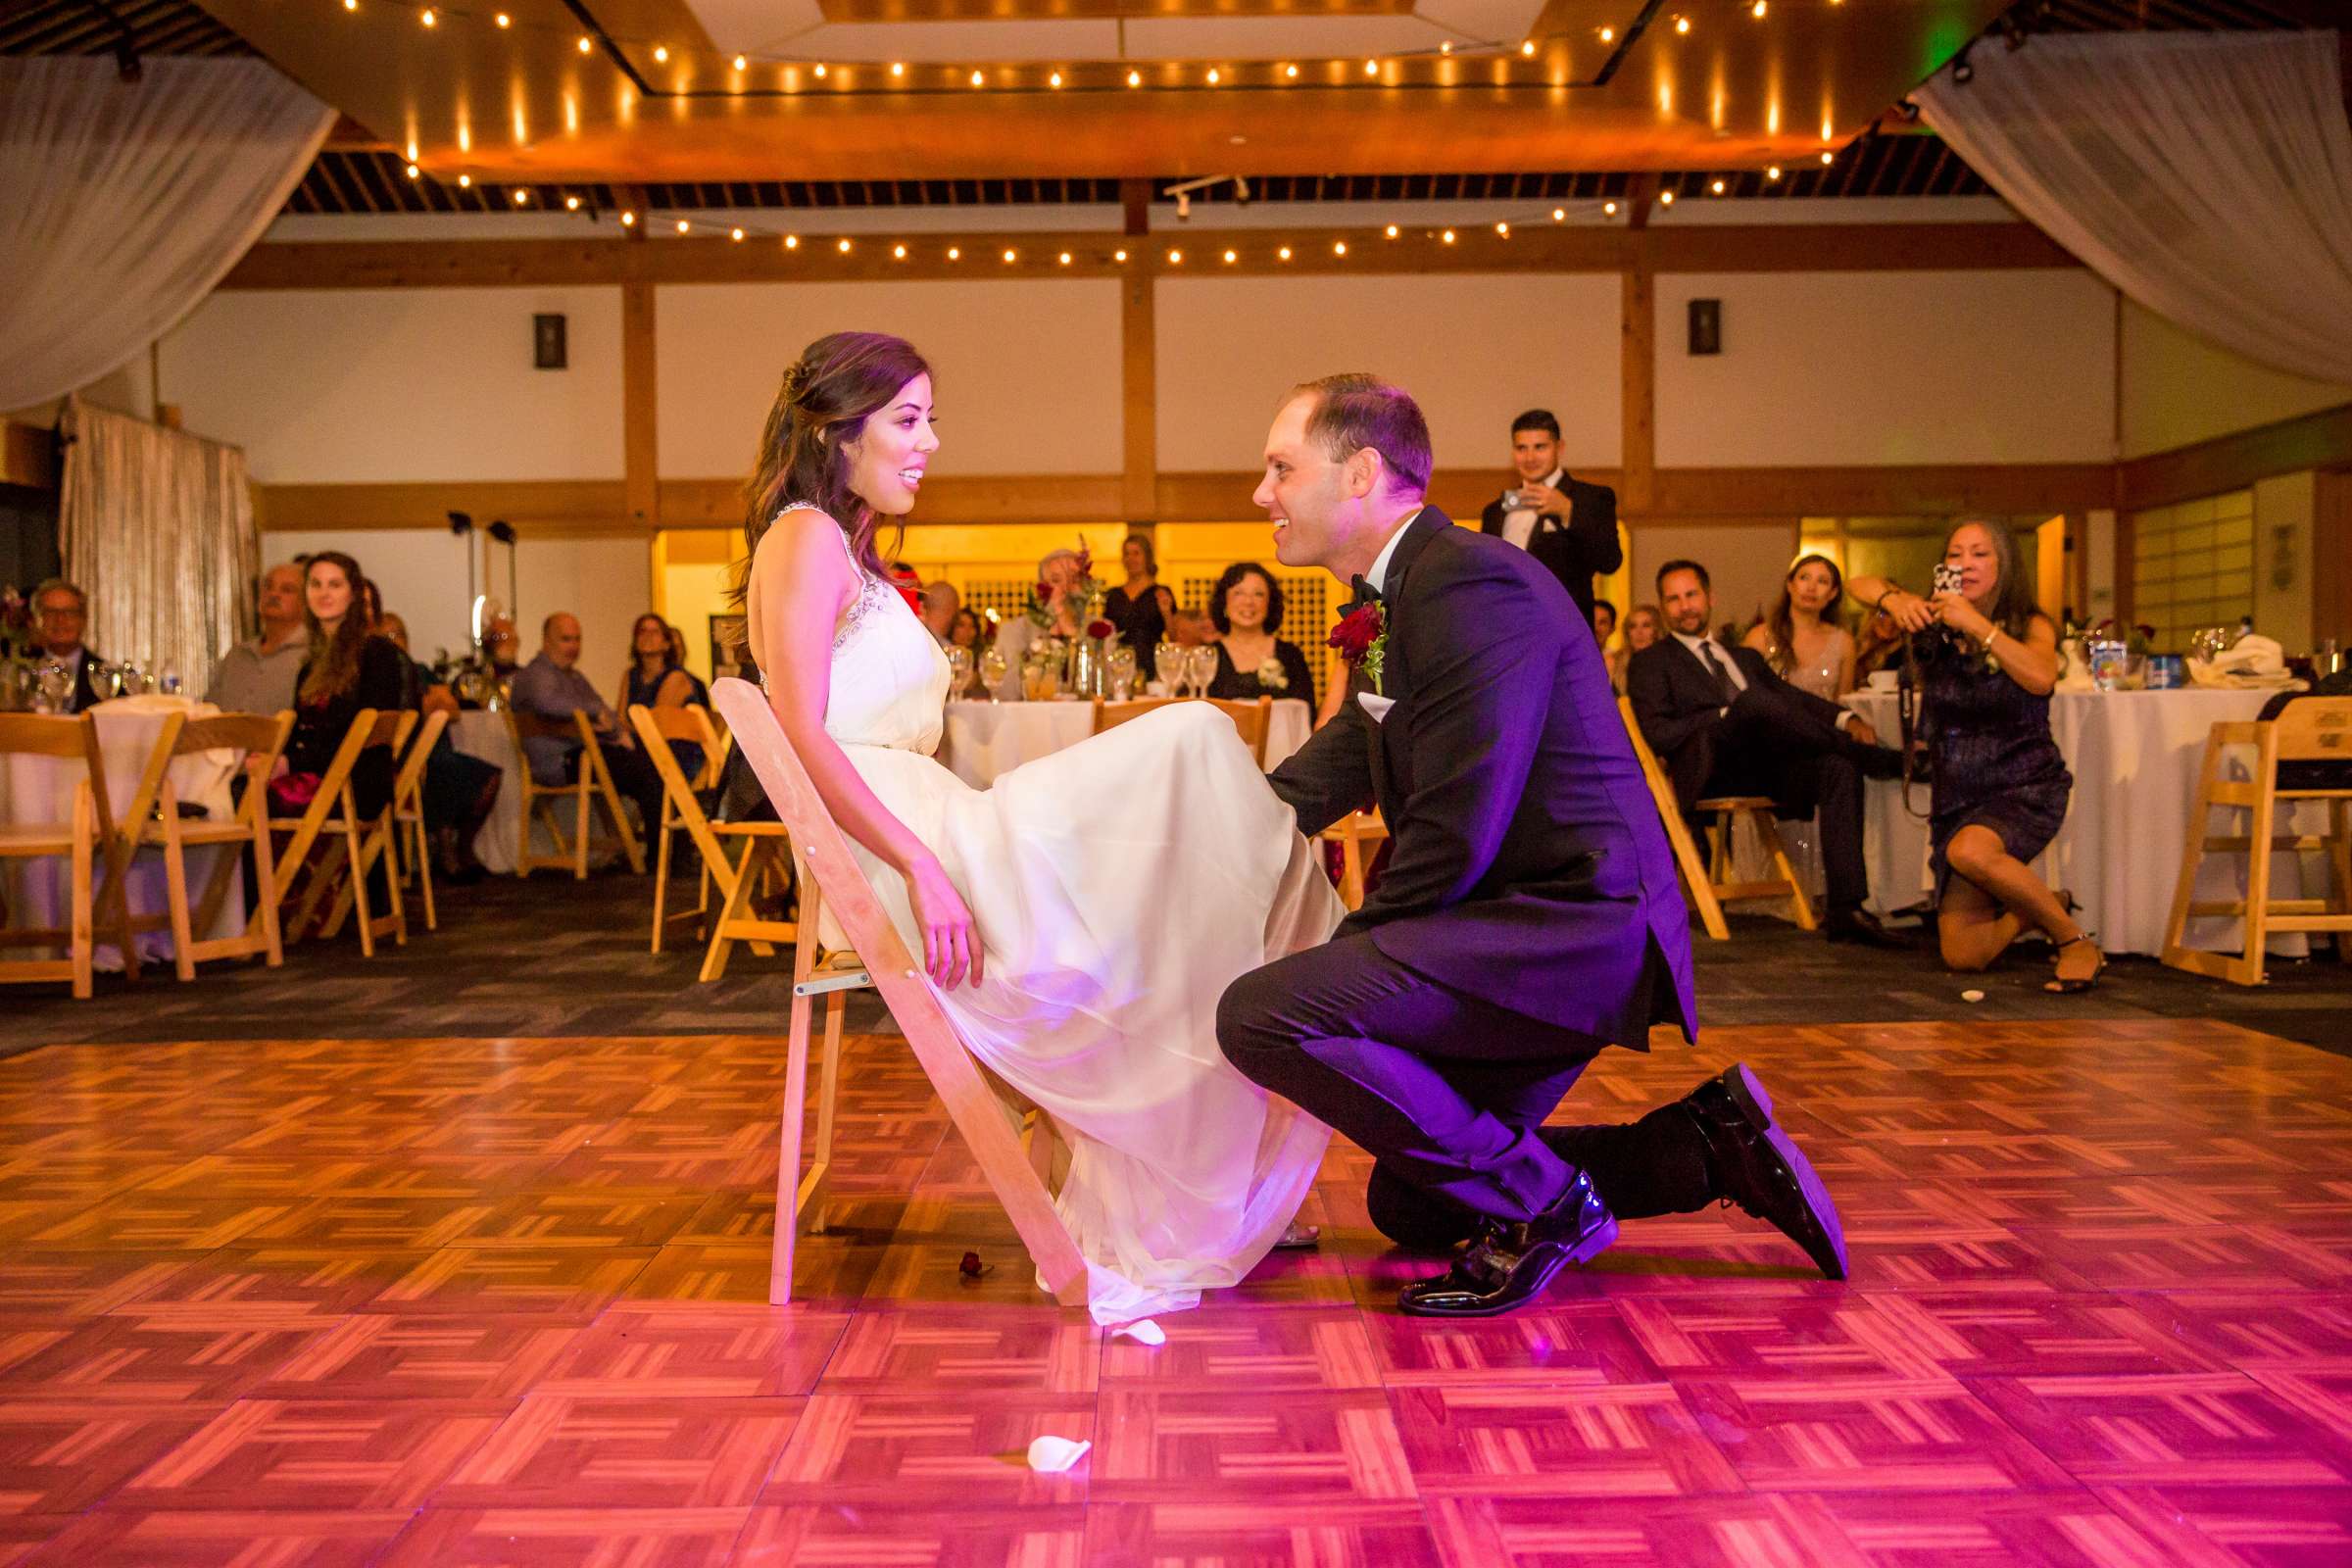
1568, 526
1530, 914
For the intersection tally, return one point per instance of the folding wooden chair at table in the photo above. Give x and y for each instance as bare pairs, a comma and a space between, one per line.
2310, 729
1709, 880
260, 740
79, 839
591, 787
978, 1105
411, 843
1254, 719
738, 880
333, 813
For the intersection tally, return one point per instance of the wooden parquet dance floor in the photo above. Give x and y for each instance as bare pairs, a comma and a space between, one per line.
466, 1301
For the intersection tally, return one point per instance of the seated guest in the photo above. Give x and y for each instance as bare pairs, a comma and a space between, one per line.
1604, 621
59, 612
259, 677
1134, 606
1057, 571
1988, 660
347, 668
942, 604
1722, 723
659, 679
1568, 526
1881, 647
1642, 629
965, 632
1800, 638
459, 790
552, 687
504, 646
1246, 608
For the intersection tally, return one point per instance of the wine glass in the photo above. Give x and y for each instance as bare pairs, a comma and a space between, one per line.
959, 670
1200, 663
1121, 666
1167, 660
993, 668
54, 689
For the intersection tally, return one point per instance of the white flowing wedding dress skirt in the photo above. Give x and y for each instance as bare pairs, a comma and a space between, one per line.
1119, 887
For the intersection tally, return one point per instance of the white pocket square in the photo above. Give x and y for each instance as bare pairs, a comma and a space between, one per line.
1376, 704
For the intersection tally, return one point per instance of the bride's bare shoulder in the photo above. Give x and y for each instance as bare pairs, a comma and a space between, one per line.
803, 542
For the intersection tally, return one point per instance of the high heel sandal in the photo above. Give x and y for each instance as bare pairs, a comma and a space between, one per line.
2074, 988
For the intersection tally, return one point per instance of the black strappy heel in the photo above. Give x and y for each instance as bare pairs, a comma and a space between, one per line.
2074, 988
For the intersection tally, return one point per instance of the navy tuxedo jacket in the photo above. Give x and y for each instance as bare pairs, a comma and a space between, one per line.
1527, 866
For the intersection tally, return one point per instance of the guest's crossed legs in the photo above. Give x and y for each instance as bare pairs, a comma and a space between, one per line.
1448, 1092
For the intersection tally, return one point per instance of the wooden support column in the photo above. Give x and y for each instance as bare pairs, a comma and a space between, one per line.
1139, 487
640, 440
1637, 359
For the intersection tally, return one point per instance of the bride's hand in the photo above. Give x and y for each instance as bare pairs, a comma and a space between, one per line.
950, 940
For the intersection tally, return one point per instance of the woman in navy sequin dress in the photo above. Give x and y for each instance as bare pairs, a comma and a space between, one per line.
1988, 660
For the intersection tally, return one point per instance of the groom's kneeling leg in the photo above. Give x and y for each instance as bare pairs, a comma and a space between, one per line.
1375, 1050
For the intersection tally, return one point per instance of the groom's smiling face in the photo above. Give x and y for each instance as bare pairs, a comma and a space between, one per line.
1313, 499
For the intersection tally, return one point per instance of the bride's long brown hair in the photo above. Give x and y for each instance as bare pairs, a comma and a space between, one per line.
827, 395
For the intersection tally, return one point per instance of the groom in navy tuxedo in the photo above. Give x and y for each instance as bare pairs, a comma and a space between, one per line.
1529, 915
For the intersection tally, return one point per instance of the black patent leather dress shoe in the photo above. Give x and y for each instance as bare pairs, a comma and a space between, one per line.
1861, 928
1508, 1264
1761, 1168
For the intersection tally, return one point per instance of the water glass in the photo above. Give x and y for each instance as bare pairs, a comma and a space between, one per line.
959, 670
1200, 665
1168, 660
993, 669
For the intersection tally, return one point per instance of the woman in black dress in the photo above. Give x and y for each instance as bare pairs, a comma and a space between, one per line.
658, 677
349, 668
1988, 662
1133, 607
1252, 662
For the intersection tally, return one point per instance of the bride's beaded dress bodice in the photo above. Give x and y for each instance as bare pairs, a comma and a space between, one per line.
889, 677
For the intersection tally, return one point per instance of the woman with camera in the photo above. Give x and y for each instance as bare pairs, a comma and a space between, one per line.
1987, 662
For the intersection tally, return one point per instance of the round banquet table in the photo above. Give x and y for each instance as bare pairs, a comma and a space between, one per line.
2134, 756
40, 790
982, 740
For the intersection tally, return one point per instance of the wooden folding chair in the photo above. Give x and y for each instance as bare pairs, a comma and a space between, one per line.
1354, 834
738, 879
2308, 730
1709, 881
830, 877
259, 740
334, 814
591, 786
409, 841
81, 840
1254, 719
120, 834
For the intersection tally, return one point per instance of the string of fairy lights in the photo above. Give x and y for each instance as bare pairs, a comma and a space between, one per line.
1532, 62
1226, 249
1536, 61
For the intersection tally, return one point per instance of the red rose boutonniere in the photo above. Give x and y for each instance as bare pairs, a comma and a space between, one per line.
1362, 640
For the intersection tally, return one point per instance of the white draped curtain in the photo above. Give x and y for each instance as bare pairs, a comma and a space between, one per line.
2206, 175
156, 526
122, 204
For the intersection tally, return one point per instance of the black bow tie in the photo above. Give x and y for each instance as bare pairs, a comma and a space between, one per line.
1365, 593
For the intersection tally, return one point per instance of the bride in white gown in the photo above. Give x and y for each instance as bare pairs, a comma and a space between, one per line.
1080, 919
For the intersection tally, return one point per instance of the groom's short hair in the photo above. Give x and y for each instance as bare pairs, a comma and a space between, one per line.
1357, 411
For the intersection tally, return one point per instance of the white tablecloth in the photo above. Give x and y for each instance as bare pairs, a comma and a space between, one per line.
487, 736
40, 790
985, 738
2134, 756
